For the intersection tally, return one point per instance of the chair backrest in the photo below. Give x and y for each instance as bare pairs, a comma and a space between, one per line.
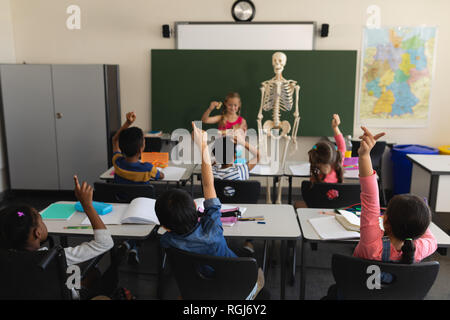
376, 154
153, 144
227, 279
33, 275
410, 281
237, 191
121, 193
330, 195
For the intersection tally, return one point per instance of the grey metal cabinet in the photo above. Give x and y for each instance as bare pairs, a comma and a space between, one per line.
57, 123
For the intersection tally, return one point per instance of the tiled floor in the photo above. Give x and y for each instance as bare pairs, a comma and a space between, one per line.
141, 279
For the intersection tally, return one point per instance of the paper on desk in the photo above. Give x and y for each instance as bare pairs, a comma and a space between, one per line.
301, 169
173, 173
263, 169
114, 217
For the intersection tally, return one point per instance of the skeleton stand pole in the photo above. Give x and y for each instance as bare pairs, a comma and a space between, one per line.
283, 160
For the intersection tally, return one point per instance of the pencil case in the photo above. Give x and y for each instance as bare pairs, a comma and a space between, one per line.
101, 207
226, 213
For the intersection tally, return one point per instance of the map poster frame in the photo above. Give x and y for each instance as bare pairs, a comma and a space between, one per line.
397, 68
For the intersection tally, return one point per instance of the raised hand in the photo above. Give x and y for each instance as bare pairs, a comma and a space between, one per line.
200, 137
84, 193
215, 104
368, 141
336, 121
131, 117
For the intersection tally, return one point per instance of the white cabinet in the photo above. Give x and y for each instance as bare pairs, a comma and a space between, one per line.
57, 122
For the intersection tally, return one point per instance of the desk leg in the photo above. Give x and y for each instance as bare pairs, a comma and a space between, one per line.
283, 269
192, 186
290, 190
274, 190
302, 272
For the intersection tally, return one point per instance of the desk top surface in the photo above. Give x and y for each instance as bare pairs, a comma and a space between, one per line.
438, 163
308, 232
109, 174
280, 223
130, 231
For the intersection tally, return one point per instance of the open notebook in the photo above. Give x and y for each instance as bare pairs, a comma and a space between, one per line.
139, 211
328, 228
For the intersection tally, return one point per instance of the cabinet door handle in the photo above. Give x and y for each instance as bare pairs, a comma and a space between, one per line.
59, 115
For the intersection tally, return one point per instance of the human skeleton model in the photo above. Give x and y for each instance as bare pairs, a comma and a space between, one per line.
277, 94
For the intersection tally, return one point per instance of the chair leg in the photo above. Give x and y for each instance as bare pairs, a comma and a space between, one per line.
161, 266
264, 260
294, 262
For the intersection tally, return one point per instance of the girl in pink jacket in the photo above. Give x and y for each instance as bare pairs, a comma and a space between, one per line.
406, 238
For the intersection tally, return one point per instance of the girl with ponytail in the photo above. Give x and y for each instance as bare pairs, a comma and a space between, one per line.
327, 159
406, 237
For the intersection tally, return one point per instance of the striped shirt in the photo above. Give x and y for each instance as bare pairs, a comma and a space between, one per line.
133, 172
235, 172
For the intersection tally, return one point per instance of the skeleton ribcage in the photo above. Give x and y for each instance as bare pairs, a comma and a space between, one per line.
285, 97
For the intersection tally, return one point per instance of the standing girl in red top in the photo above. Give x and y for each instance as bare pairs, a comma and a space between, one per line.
231, 113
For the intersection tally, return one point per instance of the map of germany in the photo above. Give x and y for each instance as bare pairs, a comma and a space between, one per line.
396, 73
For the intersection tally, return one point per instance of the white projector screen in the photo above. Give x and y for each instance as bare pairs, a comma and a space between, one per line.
245, 36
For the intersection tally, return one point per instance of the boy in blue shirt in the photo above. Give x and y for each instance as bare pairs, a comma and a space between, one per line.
128, 145
177, 213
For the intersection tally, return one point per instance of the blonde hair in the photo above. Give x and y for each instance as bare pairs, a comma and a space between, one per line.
229, 96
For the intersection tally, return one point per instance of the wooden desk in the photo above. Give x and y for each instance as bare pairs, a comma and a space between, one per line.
281, 224
309, 234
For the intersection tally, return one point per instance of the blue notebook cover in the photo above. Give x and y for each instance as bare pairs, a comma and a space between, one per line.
58, 211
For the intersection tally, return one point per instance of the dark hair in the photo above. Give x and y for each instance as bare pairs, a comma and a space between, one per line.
221, 151
16, 223
131, 141
325, 152
408, 217
176, 211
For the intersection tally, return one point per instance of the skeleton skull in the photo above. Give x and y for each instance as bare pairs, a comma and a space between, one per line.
278, 62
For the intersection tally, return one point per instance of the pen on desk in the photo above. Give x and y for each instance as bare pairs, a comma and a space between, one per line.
78, 227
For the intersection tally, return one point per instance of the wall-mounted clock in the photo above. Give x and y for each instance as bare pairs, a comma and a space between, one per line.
243, 10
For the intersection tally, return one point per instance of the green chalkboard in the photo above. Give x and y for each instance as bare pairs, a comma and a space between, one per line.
184, 82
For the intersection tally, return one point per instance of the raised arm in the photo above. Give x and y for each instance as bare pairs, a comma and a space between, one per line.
131, 117
211, 120
367, 143
370, 204
200, 138
84, 194
335, 122
239, 137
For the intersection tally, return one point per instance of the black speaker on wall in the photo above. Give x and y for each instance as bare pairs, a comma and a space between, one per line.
324, 30
166, 31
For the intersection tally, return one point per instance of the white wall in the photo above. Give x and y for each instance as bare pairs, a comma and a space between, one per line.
123, 32
7, 55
